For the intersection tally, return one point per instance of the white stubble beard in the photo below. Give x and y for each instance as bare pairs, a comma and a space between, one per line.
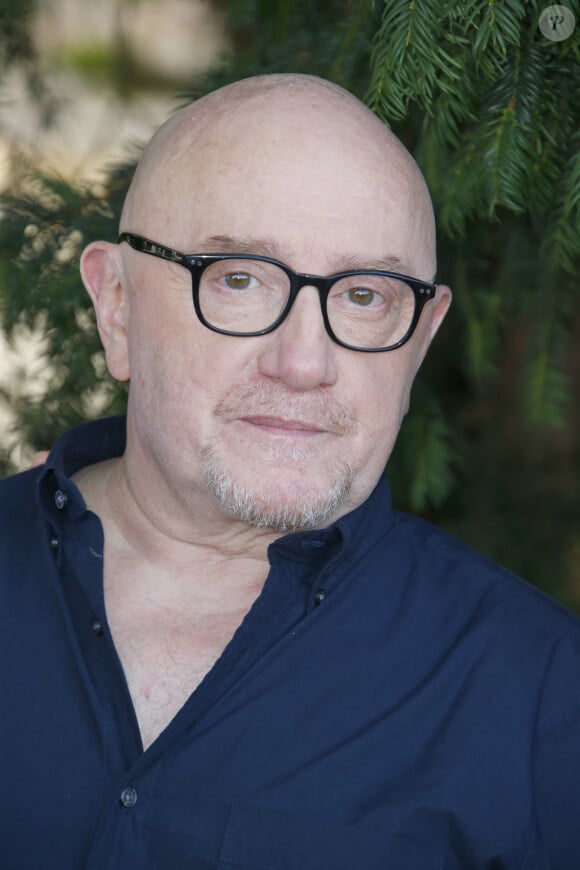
265, 506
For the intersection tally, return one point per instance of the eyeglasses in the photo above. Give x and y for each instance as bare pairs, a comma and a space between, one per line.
244, 295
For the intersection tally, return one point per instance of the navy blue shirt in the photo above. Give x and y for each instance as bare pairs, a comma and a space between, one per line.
391, 700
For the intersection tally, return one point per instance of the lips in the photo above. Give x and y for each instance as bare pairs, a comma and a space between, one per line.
282, 423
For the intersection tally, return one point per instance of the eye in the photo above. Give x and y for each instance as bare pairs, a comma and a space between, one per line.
361, 296
239, 281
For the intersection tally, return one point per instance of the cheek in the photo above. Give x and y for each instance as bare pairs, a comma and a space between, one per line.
160, 340
179, 372
161, 370
381, 404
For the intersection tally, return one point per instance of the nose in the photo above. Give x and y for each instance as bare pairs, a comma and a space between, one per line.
300, 353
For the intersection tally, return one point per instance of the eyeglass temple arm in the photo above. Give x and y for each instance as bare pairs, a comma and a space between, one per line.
146, 246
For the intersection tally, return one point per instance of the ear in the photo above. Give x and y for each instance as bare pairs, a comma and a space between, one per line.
434, 314
432, 317
441, 303
102, 276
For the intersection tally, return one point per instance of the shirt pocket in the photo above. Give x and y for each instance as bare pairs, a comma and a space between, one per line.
256, 840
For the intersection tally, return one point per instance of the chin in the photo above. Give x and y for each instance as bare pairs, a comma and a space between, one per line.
281, 495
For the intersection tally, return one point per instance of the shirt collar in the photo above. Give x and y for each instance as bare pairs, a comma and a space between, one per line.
361, 527
87, 444
76, 448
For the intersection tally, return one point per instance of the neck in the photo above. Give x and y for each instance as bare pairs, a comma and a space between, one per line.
161, 528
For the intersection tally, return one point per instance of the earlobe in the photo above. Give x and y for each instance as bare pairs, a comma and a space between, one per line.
102, 276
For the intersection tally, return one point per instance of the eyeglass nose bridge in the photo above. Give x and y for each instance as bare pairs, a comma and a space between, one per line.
298, 280
303, 279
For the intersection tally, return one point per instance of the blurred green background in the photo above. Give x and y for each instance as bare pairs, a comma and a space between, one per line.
490, 107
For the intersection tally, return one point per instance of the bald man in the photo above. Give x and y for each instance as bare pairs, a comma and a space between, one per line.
222, 646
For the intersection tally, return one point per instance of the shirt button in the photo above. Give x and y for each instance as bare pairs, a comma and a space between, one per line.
60, 499
128, 797
319, 597
98, 627
54, 543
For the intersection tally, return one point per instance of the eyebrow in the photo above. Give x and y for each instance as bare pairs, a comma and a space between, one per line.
269, 248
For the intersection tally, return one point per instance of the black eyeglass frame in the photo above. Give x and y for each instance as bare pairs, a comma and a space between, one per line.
196, 264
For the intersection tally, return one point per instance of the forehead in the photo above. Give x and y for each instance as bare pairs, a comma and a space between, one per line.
320, 177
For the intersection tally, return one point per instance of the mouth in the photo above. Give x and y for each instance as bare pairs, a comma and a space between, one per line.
284, 426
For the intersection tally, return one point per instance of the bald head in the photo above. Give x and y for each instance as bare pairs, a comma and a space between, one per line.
254, 132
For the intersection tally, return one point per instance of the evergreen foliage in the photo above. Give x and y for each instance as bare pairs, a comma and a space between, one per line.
491, 111
498, 139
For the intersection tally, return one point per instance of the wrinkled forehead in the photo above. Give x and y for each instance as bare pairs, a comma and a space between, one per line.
307, 162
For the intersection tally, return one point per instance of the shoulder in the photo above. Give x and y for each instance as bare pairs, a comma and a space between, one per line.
17, 495
511, 638
21, 526
456, 569
460, 603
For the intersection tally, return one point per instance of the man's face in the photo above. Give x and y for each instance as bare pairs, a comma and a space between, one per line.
289, 429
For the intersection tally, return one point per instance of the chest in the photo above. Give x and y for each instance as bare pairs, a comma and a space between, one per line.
331, 762
166, 653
